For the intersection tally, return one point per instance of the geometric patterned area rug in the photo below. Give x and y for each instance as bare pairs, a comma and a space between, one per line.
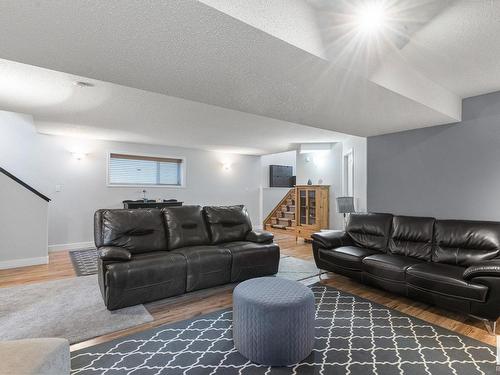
353, 336
84, 261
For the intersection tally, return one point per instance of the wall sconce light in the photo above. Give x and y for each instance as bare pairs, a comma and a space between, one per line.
78, 155
226, 166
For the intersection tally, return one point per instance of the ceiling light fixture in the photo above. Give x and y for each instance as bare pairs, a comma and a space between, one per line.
78, 155
83, 84
371, 16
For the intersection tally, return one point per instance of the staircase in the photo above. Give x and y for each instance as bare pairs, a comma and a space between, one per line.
282, 218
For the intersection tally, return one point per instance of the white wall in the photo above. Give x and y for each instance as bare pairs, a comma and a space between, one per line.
45, 161
328, 167
23, 238
271, 196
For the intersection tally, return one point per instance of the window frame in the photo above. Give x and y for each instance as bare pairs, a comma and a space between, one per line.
132, 154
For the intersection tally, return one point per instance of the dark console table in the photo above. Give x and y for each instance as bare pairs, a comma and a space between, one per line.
150, 204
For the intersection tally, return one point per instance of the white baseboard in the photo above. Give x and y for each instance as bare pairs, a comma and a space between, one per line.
15, 263
70, 246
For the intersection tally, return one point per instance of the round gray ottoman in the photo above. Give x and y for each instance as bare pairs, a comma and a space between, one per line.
273, 321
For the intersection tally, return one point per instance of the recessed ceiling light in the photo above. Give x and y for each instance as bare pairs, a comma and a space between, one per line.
371, 16
83, 84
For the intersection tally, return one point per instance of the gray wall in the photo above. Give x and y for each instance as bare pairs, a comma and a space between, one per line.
449, 171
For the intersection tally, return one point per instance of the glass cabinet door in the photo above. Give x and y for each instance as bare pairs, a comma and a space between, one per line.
302, 207
311, 202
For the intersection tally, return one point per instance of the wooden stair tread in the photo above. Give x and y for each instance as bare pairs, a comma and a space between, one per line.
278, 226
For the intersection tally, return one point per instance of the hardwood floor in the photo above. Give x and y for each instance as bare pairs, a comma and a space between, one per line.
60, 267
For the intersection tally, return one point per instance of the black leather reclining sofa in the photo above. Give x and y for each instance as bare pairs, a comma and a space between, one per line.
150, 254
450, 263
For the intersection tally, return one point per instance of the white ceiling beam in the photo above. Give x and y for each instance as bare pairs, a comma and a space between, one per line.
398, 75
293, 21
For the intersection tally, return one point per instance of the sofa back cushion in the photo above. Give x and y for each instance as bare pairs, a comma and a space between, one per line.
412, 236
227, 223
185, 226
370, 230
465, 243
138, 231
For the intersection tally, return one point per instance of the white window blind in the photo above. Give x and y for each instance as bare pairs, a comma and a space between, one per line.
144, 170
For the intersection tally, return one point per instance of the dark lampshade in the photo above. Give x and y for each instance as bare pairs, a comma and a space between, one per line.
345, 205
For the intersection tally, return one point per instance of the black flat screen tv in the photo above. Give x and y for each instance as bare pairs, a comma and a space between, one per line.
281, 176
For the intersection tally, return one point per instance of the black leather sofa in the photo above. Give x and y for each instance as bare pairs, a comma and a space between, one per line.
150, 254
454, 264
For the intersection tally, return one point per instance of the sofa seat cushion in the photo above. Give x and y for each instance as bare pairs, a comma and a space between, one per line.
250, 259
445, 279
346, 256
387, 266
207, 266
147, 270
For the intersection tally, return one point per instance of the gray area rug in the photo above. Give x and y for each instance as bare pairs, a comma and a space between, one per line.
69, 308
353, 336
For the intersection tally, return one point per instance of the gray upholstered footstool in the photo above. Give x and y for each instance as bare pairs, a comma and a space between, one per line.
273, 321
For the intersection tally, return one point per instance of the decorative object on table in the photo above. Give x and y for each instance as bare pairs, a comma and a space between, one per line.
144, 196
264, 309
309, 182
320, 181
398, 338
345, 205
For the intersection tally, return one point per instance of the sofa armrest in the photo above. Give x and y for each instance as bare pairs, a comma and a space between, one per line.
114, 253
259, 237
332, 239
489, 268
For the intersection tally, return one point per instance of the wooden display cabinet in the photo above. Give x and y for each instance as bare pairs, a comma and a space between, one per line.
312, 209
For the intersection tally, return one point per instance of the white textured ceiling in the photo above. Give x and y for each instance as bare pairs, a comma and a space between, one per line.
243, 58
113, 112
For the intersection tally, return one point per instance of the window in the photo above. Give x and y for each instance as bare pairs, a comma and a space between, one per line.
144, 170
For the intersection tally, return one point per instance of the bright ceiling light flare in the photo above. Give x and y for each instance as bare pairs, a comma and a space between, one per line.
371, 16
